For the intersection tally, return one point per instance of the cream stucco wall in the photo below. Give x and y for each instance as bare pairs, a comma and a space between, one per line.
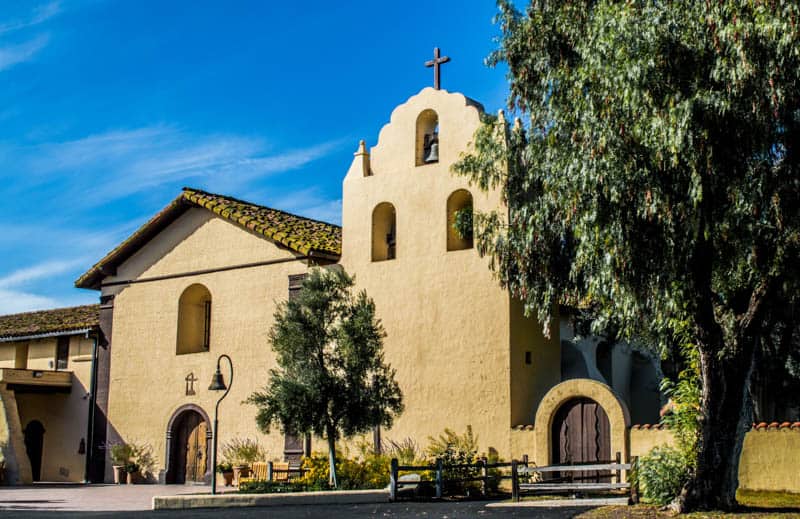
769, 461
450, 331
147, 378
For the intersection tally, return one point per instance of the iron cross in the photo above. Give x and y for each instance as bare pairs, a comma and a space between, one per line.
190, 380
435, 63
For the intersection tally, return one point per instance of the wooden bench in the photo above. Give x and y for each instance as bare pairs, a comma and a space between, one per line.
258, 472
568, 483
278, 471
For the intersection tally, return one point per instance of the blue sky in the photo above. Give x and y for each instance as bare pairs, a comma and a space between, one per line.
108, 108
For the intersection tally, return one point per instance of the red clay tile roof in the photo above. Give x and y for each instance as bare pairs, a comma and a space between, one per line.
60, 321
302, 235
762, 426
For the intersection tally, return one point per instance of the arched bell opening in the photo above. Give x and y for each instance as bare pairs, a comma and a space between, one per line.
459, 220
384, 232
427, 141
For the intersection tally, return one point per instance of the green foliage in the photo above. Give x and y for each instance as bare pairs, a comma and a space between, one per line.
143, 457
462, 222
456, 449
120, 453
655, 170
224, 467
683, 419
275, 487
131, 468
242, 451
662, 474
331, 378
368, 471
133, 456
406, 451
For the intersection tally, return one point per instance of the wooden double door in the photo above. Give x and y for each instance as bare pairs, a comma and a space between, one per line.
582, 434
189, 448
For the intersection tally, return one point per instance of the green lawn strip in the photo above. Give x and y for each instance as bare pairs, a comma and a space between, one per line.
756, 504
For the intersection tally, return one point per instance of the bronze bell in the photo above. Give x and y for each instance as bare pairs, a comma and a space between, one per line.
217, 382
432, 154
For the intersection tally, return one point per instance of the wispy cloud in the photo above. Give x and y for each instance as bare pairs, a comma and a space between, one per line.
119, 163
11, 55
13, 301
15, 297
39, 271
309, 202
39, 15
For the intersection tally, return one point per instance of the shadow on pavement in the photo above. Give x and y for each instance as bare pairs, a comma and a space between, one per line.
384, 510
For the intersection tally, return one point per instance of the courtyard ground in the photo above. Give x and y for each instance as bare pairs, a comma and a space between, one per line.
97, 501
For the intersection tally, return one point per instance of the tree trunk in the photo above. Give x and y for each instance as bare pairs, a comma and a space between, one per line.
331, 434
726, 417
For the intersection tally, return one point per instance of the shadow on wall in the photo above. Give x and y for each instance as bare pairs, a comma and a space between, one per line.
638, 385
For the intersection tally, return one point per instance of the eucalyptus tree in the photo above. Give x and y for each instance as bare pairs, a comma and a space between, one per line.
653, 176
331, 379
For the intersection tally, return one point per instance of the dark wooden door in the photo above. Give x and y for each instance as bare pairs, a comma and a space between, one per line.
190, 449
34, 444
581, 434
293, 449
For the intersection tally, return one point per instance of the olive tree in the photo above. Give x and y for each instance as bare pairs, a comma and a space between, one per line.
331, 379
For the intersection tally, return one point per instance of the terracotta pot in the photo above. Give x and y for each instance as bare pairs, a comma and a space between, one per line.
120, 476
228, 477
240, 471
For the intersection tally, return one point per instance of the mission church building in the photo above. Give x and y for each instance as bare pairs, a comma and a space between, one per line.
205, 275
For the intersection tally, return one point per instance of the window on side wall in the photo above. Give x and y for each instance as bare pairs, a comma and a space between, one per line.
194, 320
62, 353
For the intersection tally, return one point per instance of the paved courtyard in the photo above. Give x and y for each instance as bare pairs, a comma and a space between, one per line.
96, 501
83, 498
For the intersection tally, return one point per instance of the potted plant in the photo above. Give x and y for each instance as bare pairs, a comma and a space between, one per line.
242, 452
226, 469
143, 459
120, 454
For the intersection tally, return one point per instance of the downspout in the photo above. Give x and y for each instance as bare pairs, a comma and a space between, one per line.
90, 431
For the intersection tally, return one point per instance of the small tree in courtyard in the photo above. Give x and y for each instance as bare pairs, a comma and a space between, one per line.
655, 177
331, 378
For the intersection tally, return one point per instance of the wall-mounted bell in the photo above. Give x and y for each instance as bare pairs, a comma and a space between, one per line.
432, 149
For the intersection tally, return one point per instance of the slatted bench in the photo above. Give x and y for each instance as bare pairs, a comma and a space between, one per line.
273, 471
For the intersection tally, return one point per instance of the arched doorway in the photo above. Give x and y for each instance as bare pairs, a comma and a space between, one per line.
34, 444
188, 440
581, 434
615, 409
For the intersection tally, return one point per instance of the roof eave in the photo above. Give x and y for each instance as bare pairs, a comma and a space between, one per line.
46, 335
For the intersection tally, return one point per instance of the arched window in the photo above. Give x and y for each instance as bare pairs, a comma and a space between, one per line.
459, 220
384, 232
427, 142
194, 320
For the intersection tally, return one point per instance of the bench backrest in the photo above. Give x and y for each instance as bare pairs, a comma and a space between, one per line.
280, 471
259, 471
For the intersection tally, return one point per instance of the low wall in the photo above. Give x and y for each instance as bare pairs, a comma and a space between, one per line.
770, 456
